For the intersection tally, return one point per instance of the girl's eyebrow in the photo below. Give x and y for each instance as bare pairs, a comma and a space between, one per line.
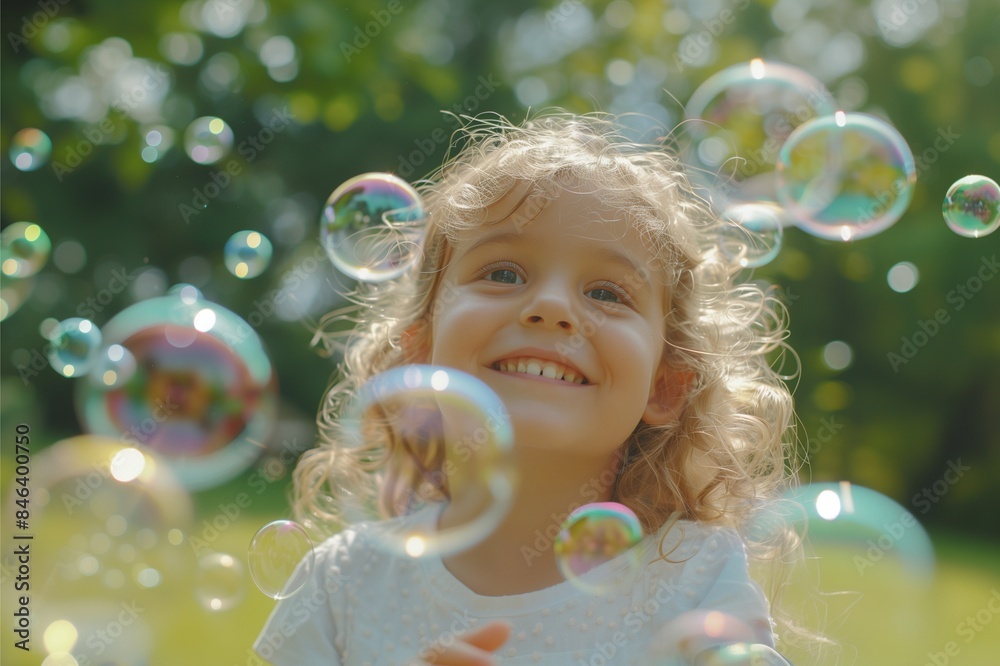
505, 237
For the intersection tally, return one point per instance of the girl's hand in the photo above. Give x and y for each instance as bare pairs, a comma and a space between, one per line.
473, 648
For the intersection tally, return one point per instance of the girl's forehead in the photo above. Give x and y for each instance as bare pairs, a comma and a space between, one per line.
573, 216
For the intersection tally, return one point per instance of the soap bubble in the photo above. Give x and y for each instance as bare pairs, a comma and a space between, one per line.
872, 527
208, 139
737, 121
371, 227
753, 237
972, 206
595, 534
458, 430
221, 582
247, 254
203, 393
740, 654
280, 558
100, 507
691, 633
74, 346
24, 249
14, 294
30, 149
846, 176
113, 367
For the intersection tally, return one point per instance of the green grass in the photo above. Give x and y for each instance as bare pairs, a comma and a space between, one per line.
880, 618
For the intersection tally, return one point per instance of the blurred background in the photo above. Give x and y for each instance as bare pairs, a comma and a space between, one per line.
142, 136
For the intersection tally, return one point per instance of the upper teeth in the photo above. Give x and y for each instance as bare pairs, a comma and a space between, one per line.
536, 366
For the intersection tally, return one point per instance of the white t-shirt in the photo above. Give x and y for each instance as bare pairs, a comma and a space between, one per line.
361, 605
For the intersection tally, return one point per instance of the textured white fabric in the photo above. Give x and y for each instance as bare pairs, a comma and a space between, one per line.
362, 606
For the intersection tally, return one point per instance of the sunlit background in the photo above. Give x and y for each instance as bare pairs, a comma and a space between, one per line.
165, 170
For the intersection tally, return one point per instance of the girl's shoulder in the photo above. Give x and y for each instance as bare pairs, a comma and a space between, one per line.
684, 539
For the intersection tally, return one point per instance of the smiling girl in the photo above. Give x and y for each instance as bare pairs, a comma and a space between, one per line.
576, 275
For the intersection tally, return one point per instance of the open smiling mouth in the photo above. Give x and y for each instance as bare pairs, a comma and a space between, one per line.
535, 366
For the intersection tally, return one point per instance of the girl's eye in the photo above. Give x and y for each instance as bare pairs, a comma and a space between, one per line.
604, 295
505, 276
608, 292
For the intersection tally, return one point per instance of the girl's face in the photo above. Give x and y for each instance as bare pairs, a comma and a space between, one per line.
562, 317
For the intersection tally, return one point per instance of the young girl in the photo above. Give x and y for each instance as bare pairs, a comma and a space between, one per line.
584, 286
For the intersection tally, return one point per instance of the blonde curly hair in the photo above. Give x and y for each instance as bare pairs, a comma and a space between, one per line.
732, 442
730, 451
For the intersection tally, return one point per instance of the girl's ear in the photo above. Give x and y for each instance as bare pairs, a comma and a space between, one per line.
667, 395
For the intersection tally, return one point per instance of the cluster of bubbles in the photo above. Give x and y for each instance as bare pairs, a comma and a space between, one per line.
770, 148
371, 227
594, 535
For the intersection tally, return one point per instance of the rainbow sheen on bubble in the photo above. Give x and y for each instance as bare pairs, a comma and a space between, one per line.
458, 431
740, 654
247, 254
24, 249
280, 558
737, 121
221, 582
752, 237
593, 535
113, 367
203, 392
371, 227
208, 139
30, 149
846, 176
971, 207
73, 346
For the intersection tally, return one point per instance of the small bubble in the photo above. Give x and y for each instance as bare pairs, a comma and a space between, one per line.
30, 149
971, 207
280, 558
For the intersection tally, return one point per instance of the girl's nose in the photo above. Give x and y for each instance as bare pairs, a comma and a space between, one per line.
549, 308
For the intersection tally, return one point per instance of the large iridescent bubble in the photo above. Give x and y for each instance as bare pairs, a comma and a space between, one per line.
202, 393
105, 521
737, 121
971, 207
371, 227
876, 531
846, 176
452, 439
